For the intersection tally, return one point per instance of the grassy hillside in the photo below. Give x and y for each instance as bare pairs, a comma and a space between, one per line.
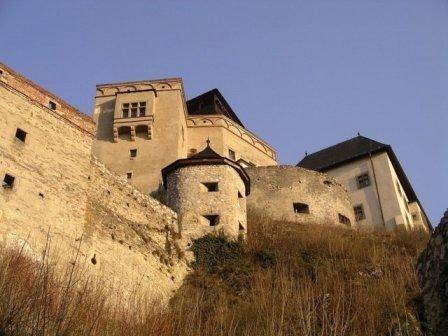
284, 280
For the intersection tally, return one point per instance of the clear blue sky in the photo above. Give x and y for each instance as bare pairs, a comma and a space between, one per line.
302, 74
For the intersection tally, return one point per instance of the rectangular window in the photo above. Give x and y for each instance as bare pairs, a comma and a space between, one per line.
129, 175
232, 155
211, 186
213, 220
240, 195
52, 105
133, 153
142, 109
359, 212
363, 180
125, 110
343, 220
8, 181
21, 134
241, 228
301, 208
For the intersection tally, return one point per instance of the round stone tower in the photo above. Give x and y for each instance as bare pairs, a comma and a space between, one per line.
208, 192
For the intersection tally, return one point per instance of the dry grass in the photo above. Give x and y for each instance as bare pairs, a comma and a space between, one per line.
285, 280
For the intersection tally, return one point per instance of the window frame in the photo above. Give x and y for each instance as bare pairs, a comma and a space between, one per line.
8, 184
361, 180
211, 186
359, 218
213, 219
19, 134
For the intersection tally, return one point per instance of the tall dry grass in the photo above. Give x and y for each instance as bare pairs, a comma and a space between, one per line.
284, 280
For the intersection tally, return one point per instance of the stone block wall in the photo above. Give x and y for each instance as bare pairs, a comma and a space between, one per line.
189, 197
274, 190
433, 277
63, 196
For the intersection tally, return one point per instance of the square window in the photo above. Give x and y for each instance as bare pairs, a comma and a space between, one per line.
133, 153
211, 186
133, 112
129, 175
232, 155
359, 212
52, 105
134, 104
126, 105
21, 134
301, 208
213, 220
142, 111
363, 180
8, 181
343, 219
142, 104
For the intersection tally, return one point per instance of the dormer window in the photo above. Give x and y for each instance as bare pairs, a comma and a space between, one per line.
134, 109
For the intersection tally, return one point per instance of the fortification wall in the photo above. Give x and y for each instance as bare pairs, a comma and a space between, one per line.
275, 189
61, 196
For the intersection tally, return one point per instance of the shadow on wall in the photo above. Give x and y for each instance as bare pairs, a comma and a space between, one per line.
106, 121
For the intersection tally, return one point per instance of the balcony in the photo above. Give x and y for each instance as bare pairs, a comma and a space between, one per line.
130, 128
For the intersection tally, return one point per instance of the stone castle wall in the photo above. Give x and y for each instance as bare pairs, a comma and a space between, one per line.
275, 189
189, 197
62, 195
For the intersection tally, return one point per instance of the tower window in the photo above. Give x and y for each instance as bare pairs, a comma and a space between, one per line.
232, 155
8, 181
241, 228
363, 180
301, 208
213, 220
129, 175
343, 219
240, 195
133, 153
52, 105
21, 134
135, 109
211, 186
359, 212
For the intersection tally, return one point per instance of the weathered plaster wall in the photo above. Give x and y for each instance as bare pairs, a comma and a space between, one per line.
169, 140
274, 189
62, 195
225, 134
191, 200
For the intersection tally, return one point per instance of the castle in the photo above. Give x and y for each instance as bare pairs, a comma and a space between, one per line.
152, 170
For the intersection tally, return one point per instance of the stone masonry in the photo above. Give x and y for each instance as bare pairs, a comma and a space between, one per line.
433, 277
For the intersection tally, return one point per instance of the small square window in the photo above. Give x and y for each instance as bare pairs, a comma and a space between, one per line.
8, 181
52, 105
21, 134
363, 180
142, 104
359, 212
213, 220
126, 105
142, 111
211, 186
133, 153
301, 208
232, 155
133, 112
129, 175
343, 219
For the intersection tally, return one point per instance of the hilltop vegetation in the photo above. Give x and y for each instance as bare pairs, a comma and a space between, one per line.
284, 280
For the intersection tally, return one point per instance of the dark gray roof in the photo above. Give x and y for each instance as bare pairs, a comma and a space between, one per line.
352, 150
341, 153
212, 102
